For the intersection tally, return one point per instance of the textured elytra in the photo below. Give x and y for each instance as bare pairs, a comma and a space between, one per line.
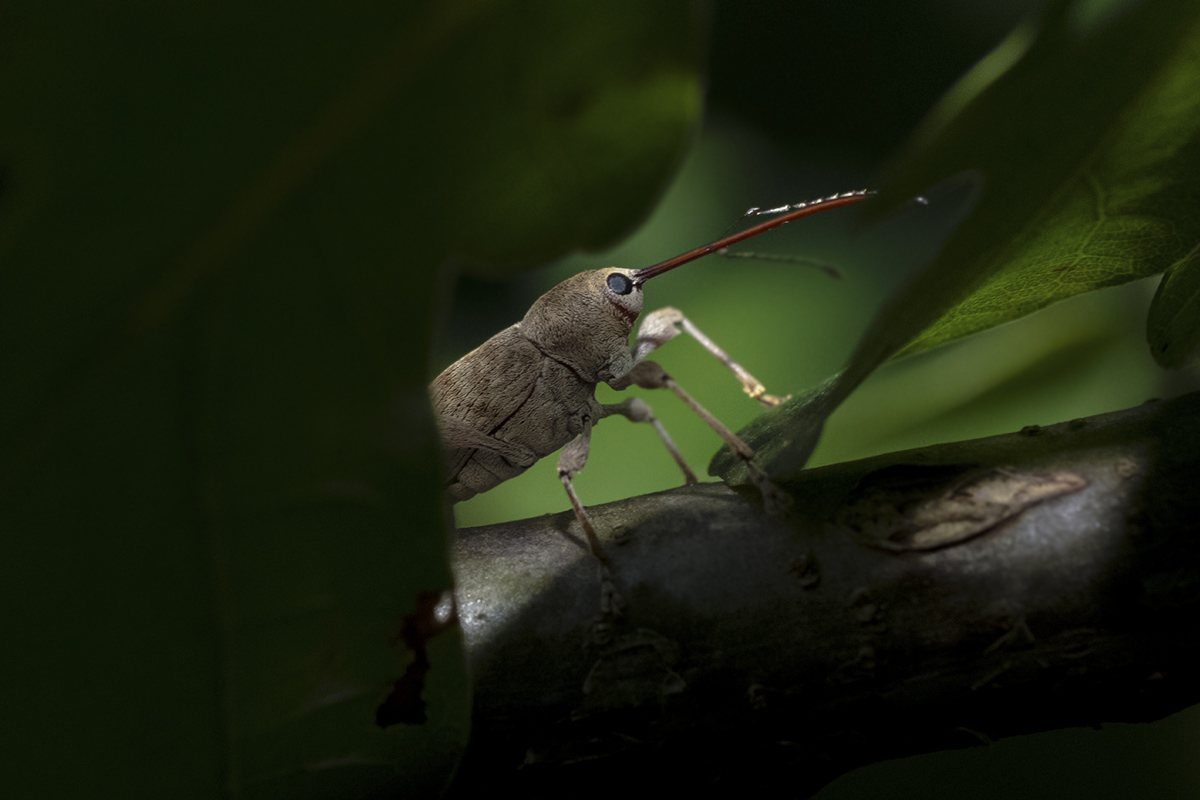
530, 389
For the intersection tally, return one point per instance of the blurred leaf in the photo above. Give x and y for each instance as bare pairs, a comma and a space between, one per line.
1077, 358
1081, 139
220, 229
1173, 325
566, 122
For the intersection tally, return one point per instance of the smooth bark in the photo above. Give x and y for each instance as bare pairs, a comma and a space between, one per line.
923, 600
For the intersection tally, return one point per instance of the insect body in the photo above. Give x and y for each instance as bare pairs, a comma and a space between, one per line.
530, 389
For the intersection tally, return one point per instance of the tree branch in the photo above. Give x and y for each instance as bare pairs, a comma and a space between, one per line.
923, 600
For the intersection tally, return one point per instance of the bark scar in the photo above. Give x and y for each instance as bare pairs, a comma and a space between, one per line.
887, 511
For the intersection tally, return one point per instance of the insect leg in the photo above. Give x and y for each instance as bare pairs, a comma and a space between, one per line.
662, 325
651, 375
571, 460
637, 410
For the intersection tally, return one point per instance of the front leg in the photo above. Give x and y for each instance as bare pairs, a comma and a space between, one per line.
660, 326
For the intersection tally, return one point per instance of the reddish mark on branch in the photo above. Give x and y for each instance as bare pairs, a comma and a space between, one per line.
406, 703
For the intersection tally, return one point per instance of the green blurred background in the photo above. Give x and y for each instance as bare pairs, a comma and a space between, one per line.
806, 99
220, 227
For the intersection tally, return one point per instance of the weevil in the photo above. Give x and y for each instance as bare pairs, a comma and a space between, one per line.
530, 389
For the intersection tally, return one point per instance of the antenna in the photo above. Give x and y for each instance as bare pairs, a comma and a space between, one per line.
786, 215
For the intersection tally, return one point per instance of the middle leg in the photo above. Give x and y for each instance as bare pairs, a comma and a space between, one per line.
651, 375
637, 410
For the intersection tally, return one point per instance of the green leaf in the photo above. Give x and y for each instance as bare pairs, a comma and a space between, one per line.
1087, 146
220, 229
1083, 139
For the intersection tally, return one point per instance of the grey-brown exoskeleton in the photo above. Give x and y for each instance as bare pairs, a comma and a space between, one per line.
530, 389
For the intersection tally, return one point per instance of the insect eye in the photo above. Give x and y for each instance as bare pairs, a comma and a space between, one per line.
619, 283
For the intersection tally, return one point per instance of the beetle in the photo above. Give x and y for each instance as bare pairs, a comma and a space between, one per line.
529, 390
